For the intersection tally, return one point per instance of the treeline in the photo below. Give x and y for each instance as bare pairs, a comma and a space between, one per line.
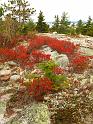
15, 18
64, 26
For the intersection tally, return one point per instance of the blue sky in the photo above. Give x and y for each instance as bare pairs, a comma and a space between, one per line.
77, 9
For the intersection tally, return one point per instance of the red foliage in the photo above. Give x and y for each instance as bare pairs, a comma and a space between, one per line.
7, 54
80, 63
40, 87
91, 57
58, 70
38, 56
6, 43
20, 56
21, 52
36, 43
60, 46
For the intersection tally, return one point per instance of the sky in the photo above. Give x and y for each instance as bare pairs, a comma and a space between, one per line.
76, 9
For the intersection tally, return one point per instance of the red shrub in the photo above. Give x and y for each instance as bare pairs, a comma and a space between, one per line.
36, 43
20, 56
62, 46
38, 56
7, 54
80, 63
58, 70
40, 87
21, 52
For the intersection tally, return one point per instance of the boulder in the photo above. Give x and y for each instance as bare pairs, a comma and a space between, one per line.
11, 63
15, 77
62, 60
5, 78
5, 72
1, 66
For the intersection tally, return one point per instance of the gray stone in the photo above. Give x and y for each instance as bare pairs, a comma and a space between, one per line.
6, 66
1, 66
55, 32
62, 60
11, 63
15, 77
54, 54
5, 78
5, 72
47, 50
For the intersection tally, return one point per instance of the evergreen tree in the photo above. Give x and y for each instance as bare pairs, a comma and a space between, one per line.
41, 26
26, 11
27, 27
1, 21
73, 29
89, 22
64, 24
90, 31
1, 12
80, 27
55, 26
19, 9
89, 26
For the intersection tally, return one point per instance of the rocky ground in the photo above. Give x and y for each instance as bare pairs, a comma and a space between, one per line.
10, 73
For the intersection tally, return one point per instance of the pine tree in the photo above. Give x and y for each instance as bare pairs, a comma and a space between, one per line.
79, 27
41, 26
88, 27
72, 29
89, 22
1, 12
55, 26
27, 27
64, 24
19, 9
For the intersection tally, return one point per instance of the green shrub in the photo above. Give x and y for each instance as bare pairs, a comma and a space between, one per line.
59, 80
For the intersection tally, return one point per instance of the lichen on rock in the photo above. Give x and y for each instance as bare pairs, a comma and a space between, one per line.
36, 113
